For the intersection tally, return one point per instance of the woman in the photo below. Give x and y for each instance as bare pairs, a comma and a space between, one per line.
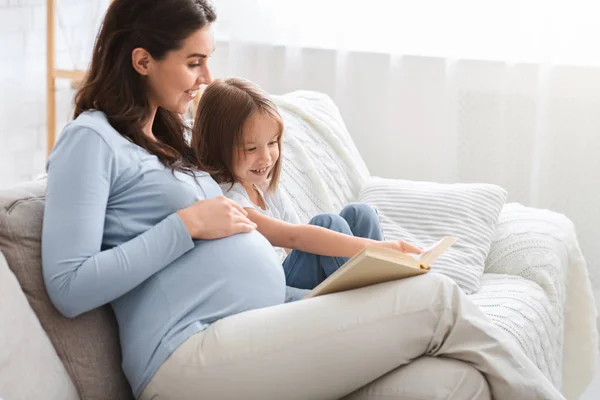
132, 219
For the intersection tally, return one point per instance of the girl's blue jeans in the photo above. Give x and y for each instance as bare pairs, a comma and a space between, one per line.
306, 270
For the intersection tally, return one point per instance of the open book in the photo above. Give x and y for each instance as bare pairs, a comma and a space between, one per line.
376, 265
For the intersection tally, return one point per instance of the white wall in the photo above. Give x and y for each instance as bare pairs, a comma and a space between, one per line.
23, 77
22, 66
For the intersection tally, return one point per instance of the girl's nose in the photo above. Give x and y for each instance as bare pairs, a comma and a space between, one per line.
264, 155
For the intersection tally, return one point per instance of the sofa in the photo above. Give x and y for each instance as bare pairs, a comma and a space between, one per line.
533, 280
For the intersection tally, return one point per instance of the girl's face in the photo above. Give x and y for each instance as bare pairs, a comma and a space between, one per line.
259, 152
175, 80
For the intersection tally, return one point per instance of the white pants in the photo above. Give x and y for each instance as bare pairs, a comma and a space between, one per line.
355, 343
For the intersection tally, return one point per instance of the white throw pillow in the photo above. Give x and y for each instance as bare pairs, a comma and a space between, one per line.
424, 212
29, 365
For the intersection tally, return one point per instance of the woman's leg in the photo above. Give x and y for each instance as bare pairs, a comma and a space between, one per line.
430, 378
329, 346
454, 380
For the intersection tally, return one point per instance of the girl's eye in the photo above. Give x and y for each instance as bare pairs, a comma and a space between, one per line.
273, 143
251, 149
197, 64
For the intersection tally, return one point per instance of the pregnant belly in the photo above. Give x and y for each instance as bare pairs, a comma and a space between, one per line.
226, 276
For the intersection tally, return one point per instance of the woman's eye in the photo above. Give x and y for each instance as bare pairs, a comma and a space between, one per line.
273, 143
251, 149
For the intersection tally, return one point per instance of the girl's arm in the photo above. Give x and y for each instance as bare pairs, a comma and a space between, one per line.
315, 239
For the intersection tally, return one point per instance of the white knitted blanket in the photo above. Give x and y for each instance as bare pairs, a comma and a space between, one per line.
546, 303
536, 286
322, 170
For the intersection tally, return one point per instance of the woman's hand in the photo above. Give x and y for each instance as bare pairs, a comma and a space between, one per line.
402, 246
215, 218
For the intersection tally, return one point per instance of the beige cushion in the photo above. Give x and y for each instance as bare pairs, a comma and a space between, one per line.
29, 366
89, 344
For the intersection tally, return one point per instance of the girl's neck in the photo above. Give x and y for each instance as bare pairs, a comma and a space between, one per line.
249, 187
254, 195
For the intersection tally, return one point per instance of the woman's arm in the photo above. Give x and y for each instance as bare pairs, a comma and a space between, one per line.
310, 238
79, 275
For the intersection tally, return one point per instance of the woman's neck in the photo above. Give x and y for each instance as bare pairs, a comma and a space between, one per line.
147, 127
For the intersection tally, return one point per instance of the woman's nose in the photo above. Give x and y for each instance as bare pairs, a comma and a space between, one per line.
205, 78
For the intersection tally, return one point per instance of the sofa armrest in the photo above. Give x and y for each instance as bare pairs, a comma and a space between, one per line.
533, 244
541, 246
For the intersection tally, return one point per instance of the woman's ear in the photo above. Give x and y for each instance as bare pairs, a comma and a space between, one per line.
140, 59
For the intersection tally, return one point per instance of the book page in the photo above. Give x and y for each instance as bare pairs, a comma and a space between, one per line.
431, 253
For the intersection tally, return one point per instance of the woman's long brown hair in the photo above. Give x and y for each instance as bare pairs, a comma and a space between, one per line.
115, 88
225, 108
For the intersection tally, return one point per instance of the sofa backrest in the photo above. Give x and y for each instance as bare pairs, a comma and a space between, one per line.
89, 344
322, 168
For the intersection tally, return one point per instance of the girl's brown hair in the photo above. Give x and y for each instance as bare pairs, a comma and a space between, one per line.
225, 108
115, 88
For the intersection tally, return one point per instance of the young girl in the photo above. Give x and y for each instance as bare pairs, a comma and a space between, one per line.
237, 134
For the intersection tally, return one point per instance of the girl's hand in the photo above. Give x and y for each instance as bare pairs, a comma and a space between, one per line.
215, 218
402, 246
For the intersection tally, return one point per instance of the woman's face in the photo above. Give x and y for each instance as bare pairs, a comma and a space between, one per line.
175, 80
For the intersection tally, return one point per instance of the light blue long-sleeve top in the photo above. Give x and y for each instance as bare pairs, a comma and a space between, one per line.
111, 235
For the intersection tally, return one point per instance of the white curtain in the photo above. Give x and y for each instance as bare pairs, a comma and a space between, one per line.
419, 106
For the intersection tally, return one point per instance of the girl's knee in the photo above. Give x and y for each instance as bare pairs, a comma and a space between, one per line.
330, 221
358, 210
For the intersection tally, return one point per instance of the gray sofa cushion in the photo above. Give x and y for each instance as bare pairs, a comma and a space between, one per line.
89, 344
